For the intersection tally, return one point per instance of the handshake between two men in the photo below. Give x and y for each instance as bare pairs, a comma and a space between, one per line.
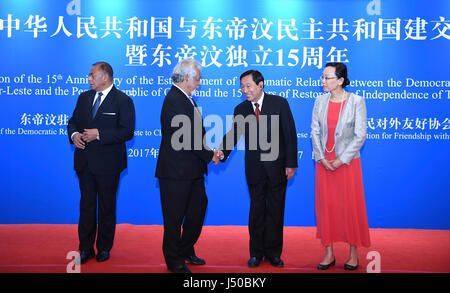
218, 155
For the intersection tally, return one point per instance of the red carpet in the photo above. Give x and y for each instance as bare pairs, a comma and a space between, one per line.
138, 249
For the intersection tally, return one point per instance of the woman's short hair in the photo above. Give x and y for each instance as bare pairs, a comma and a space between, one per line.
341, 71
185, 67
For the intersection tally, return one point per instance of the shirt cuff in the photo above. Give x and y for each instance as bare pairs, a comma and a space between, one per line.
71, 137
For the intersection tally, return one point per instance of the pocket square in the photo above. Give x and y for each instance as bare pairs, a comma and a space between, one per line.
109, 113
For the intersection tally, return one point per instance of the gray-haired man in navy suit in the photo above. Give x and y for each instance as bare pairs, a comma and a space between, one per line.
182, 164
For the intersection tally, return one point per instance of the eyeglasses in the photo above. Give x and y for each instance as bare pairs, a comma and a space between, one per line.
327, 78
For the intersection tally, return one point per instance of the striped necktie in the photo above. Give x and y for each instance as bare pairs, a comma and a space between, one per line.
96, 104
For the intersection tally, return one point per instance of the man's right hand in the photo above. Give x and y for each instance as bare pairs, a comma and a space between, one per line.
79, 143
218, 155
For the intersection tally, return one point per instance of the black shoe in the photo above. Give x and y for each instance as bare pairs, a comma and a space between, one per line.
254, 262
275, 261
326, 267
193, 259
85, 255
350, 268
181, 269
102, 256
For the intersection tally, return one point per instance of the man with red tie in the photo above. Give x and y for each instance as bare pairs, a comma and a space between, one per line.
266, 123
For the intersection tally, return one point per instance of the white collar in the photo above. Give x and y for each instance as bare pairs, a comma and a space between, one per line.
106, 91
260, 102
189, 97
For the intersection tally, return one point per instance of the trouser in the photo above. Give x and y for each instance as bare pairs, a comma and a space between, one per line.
266, 218
183, 205
101, 188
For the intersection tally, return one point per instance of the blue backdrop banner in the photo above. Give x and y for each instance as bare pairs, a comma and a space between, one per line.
397, 53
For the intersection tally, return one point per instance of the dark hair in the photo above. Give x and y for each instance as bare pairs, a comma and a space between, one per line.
106, 68
341, 71
256, 75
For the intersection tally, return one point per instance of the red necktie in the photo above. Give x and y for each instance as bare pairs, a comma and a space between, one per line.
257, 112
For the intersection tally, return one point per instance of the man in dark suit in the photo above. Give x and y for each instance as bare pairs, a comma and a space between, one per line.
266, 123
182, 163
103, 120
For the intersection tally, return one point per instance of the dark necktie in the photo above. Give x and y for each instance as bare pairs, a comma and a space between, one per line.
257, 112
96, 104
195, 105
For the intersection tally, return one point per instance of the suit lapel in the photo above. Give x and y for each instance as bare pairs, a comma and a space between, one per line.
90, 104
265, 107
184, 100
191, 108
249, 109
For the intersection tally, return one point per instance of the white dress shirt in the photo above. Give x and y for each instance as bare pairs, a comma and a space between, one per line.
187, 96
105, 92
260, 102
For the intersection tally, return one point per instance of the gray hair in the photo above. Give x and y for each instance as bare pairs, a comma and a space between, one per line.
185, 67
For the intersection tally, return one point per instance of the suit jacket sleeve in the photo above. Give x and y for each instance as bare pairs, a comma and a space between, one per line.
73, 121
231, 138
289, 134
